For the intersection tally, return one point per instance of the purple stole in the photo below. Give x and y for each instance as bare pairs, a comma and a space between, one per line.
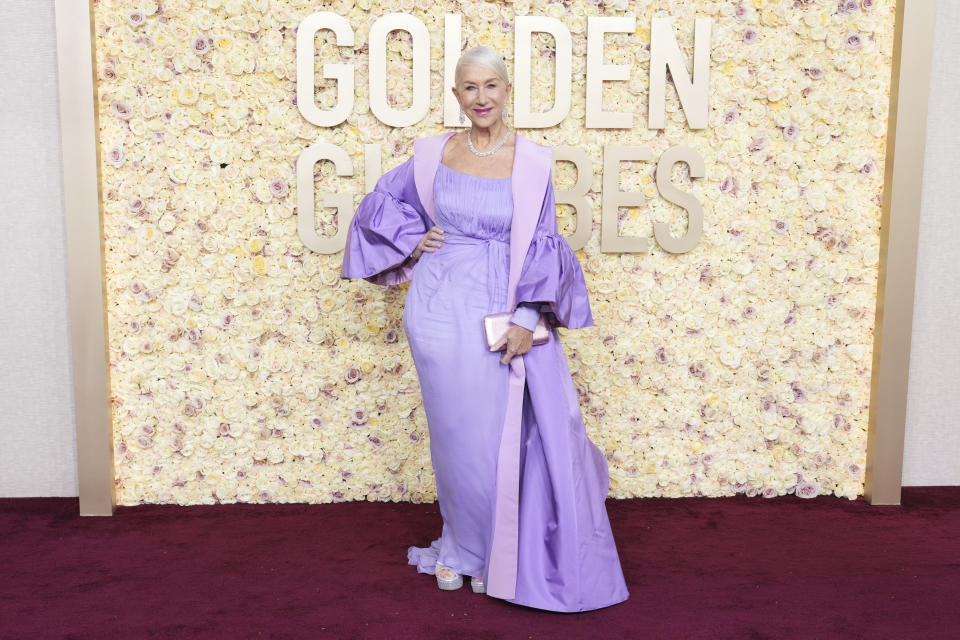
531, 171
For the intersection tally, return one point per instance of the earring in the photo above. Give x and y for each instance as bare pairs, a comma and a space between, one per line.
463, 117
504, 113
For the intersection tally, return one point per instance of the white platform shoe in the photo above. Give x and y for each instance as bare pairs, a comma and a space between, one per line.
477, 585
447, 578
450, 580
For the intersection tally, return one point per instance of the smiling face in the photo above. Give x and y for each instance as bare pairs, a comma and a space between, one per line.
482, 94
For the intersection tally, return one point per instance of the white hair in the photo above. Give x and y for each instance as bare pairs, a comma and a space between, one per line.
482, 56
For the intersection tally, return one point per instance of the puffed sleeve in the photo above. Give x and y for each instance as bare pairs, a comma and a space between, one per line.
385, 230
551, 274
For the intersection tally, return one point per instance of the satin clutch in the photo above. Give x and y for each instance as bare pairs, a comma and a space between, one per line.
496, 324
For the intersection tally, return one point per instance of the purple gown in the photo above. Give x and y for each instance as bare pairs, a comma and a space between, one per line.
566, 557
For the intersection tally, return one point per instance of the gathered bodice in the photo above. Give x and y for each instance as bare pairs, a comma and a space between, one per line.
472, 263
473, 206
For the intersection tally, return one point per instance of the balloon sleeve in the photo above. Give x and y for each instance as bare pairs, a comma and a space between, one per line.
385, 230
552, 275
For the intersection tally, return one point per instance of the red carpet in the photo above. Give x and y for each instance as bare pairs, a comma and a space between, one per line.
736, 567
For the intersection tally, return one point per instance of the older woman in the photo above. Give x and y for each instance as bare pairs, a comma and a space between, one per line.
470, 221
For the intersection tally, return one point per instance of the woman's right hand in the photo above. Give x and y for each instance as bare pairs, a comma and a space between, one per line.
429, 242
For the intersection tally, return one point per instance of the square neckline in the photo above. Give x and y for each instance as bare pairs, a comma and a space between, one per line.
512, 167
470, 175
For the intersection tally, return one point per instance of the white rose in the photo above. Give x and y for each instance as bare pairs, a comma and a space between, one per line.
179, 173
817, 200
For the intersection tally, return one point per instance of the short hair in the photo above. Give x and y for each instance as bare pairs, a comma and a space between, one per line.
482, 56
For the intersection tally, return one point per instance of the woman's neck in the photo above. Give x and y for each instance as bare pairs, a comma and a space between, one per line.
486, 137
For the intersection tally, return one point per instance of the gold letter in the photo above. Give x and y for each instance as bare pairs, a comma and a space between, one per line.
665, 52
597, 72
306, 215
613, 199
523, 28
379, 104
342, 73
661, 230
577, 195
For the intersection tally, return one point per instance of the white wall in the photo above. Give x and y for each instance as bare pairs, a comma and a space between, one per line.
932, 446
37, 438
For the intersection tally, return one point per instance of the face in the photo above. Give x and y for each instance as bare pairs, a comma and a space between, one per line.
482, 94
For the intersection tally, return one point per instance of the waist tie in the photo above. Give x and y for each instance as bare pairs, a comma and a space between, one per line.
498, 256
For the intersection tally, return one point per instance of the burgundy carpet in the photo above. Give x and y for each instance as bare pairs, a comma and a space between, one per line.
696, 568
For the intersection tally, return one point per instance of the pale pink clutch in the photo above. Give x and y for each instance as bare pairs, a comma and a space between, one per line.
496, 324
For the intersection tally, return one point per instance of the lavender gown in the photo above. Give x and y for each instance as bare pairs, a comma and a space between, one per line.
567, 560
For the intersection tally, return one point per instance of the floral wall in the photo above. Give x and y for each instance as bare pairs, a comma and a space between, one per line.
243, 369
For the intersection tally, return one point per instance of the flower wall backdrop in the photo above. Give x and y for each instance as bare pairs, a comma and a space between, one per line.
243, 368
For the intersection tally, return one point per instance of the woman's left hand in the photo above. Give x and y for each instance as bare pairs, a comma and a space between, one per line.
518, 339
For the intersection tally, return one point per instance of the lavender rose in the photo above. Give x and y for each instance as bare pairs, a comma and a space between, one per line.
202, 45
807, 489
136, 18
116, 155
121, 109
854, 41
278, 188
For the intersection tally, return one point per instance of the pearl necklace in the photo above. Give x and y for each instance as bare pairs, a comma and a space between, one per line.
485, 153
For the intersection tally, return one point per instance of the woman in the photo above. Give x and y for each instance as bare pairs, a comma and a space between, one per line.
470, 221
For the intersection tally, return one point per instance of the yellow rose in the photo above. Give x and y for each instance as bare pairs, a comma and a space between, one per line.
187, 95
259, 265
